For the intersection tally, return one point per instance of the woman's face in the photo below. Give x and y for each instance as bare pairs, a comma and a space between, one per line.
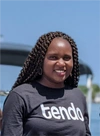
58, 63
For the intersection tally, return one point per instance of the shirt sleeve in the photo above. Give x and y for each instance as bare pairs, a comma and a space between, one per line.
13, 111
86, 119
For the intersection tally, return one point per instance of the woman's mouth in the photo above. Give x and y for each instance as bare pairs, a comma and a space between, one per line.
60, 72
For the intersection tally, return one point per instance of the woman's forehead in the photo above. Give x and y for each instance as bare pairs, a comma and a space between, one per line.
59, 43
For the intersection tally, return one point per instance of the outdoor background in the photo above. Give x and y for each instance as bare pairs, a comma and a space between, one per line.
23, 22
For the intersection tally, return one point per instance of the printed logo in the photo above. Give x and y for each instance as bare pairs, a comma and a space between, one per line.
62, 113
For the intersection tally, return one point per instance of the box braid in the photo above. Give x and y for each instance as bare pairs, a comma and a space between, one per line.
32, 69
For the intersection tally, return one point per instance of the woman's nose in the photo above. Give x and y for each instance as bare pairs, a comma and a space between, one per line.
61, 62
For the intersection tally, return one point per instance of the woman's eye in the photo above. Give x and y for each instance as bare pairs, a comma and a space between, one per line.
67, 58
53, 57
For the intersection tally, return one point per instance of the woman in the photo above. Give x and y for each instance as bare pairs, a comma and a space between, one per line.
45, 100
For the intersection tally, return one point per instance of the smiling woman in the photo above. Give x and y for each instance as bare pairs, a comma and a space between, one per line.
45, 99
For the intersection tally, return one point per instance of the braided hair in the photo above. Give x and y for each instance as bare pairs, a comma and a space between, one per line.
33, 64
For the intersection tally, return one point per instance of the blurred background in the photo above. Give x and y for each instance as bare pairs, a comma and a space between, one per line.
23, 22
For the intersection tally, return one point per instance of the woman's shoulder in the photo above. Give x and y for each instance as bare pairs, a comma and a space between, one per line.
77, 92
24, 89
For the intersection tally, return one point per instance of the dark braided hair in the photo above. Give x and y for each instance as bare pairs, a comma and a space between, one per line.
33, 65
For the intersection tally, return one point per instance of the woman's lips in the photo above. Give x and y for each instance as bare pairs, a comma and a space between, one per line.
61, 72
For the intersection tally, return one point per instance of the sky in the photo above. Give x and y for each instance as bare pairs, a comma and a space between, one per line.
25, 21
